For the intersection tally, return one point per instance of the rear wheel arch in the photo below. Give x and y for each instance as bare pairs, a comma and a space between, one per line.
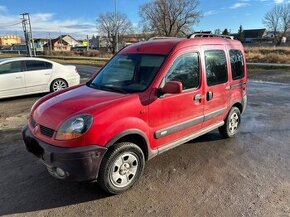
54, 80
239, 105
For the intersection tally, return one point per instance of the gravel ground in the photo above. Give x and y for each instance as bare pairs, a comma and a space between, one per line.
248, 175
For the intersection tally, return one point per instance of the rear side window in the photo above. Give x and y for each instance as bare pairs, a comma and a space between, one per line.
32, 65
237, 64
11, 67
186, 70
216, 67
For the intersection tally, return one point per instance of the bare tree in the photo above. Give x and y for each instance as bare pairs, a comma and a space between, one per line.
110, 24
278, 21
170, 17
285, 18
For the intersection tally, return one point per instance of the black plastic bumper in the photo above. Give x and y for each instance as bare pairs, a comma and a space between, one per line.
77, 164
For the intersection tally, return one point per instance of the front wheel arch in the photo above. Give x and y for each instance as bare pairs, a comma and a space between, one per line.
134, 136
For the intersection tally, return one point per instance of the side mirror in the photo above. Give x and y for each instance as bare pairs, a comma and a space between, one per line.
172, 87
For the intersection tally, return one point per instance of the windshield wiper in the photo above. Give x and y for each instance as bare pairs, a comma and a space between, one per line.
108, 88
93, 85
114, 89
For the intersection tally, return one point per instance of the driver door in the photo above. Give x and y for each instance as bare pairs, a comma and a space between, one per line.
174, 116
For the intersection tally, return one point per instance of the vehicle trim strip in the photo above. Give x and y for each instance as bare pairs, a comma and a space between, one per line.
237, 85
178, 127
187, 124
188, 138
214, 114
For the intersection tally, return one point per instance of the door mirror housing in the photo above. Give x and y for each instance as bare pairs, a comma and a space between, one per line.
172, 87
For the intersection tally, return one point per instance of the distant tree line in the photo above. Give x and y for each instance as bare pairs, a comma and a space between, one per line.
159, 17
176, 18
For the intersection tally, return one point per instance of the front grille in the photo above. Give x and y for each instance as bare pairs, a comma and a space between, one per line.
46, 131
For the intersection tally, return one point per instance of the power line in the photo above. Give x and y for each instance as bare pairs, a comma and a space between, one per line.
7, 25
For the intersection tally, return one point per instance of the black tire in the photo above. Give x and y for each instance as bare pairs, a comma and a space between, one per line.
114, 167
58, 84
232, 123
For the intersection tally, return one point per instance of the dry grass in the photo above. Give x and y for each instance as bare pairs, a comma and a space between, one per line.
268, 54
253, 55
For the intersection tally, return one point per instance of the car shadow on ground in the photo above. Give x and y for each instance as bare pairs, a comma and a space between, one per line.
27, 186
17, 98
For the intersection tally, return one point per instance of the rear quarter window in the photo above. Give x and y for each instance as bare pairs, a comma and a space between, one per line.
237, 64
216, 67
32, 65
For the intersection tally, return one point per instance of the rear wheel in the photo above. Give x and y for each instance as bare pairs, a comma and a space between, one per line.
121, 168
58, 84
232, 123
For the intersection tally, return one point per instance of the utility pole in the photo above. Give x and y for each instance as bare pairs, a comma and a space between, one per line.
50, 45
26, 25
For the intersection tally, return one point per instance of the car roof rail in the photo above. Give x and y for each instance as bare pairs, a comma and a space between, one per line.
206, 35
161, 37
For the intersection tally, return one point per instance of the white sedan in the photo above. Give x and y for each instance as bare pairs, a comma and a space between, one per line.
27, 75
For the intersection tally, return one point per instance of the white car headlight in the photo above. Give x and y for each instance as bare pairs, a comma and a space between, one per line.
74, 127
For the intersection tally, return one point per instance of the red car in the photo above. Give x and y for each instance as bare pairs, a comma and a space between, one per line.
150, 97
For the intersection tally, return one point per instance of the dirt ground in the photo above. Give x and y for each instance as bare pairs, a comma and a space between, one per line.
248, 175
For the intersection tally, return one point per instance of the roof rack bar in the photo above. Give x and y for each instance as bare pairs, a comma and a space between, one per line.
206, 35
158, 38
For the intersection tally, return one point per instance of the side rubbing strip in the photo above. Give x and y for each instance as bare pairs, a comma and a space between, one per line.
237, 85
170, 130
214, 114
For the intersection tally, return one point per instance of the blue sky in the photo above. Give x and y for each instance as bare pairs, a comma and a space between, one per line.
78, 17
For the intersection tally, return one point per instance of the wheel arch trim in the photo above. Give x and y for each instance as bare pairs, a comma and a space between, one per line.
150, 153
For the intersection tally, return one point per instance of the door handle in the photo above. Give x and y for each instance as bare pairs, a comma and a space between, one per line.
209, 96
198, 97
46, 74
18, 77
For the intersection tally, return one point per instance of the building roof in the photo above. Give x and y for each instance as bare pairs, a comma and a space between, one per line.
59, 39
254, 33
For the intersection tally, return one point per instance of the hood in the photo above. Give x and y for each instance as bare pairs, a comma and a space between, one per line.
82, 100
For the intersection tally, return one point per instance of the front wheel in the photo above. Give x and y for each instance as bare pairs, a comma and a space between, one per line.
232, 123
121, 168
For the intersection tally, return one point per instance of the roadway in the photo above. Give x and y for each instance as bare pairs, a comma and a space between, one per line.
244, 176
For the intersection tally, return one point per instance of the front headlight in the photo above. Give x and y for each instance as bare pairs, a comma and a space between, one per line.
74, 127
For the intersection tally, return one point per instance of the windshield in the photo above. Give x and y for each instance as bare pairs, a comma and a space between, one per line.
128, 73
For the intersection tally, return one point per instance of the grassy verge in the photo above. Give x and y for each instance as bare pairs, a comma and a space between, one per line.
79, 61
257, 69
97, 61
68, 59
268, 54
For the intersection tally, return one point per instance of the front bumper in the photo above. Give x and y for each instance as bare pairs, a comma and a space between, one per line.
74, 164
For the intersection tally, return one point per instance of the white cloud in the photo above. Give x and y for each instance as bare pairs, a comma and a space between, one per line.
279, 1
3, 9
42, 16
44, 23
210, 13
239, 5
